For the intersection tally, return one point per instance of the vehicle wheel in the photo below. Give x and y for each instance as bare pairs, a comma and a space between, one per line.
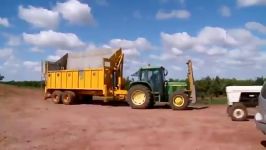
68, 97
229, 110
179, 101
238, 112
139, 97
56, 97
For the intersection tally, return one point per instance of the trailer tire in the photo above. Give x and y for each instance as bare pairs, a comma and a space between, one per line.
57, 97
238, 112
139, 97
68, 97
179, 101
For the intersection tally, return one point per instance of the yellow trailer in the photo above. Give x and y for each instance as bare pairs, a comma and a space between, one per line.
64, 85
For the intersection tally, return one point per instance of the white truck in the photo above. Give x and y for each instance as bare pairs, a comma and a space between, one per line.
239, 98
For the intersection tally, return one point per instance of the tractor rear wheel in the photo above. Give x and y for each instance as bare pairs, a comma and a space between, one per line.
179, 101
56, 97
68, 97
139, 97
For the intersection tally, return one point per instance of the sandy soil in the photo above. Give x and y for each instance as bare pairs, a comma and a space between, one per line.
29, 122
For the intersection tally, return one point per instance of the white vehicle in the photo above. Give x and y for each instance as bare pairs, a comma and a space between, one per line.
239, 98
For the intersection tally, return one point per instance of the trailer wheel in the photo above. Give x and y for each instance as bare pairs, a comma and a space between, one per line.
179, 101
238, 112
139, 97
56, 97
68, 97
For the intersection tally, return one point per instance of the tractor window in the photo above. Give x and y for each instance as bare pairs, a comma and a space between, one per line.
154, 76
150, 74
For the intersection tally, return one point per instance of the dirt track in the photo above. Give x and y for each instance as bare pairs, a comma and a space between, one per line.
28, 122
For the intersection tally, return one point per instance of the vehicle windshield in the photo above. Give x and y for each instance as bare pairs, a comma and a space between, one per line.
150, 75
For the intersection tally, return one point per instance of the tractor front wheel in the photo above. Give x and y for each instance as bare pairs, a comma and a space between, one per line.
139, 97
238, 112
179, 101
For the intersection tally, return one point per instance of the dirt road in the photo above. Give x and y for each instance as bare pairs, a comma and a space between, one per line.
28, 122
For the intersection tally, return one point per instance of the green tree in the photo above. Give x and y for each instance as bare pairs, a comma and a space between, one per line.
216, 88
1, 77
259, 81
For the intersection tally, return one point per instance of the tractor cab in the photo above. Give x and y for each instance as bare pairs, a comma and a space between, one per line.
152, 77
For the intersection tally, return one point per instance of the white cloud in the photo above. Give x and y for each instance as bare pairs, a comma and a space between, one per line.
163, 57
225, 11
176, 51
256, 27
102, 2
176, 68
131, 47
58, 54
228, 52
181, 2
52, 39
247, 3
12, 40
215, 36
177, 40
11, 62
39, 17
75, 12
217, 51
139, 43
4, 22
6, 53
33, 65
212, 41
178, 14
36, 50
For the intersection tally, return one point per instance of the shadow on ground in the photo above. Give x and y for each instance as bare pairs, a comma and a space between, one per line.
263, 143
250, 117
125, 104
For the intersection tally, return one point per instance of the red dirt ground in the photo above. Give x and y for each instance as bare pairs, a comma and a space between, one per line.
29, 122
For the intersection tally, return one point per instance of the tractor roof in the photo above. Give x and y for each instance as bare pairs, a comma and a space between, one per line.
152, 67
147, 68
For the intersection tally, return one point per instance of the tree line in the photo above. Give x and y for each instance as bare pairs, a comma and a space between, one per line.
215, 87
205, 87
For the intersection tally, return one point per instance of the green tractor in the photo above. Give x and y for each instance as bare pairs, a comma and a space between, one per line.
151, 87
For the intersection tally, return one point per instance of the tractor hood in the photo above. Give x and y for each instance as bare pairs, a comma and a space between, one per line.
176, 86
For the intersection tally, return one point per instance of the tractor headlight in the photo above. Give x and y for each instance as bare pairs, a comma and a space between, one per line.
258, 117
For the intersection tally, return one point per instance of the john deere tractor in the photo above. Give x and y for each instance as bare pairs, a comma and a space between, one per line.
151, 87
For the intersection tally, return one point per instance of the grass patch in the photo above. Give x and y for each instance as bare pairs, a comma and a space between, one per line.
213, 101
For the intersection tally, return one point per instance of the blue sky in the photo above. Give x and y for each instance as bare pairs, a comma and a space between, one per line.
222, 37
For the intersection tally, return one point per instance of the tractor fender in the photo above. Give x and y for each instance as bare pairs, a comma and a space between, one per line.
141, 83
